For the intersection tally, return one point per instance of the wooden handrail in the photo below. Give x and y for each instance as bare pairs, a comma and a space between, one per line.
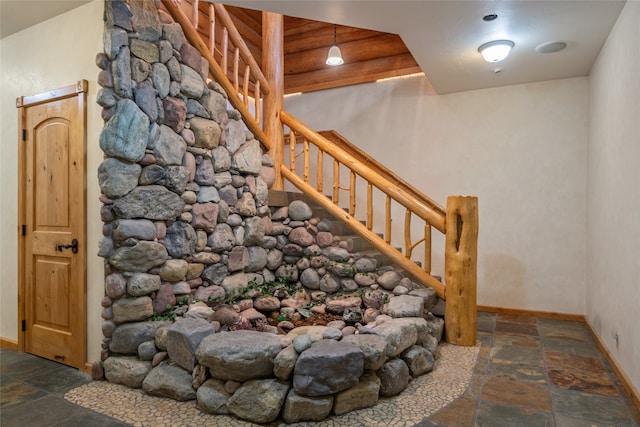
238, 42
381, 170
216, 71
425, 212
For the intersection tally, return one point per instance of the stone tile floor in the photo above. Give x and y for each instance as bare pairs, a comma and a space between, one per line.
529, 372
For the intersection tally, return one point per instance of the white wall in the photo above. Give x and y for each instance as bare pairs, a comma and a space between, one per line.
521, 149
50, 55
613, 238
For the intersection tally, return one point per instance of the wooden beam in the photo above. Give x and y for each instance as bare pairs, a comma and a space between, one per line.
273, 66
460, 265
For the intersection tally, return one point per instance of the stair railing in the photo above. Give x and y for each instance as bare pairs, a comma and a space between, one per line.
459, 222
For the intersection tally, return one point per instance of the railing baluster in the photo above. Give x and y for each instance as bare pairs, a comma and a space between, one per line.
212, 29
292, 151
407, 234
387, 233
195, 14
236, 64
370, 206
225, 49
258, 101
336, 182
245, 93
427, 248
352, 193
320, 178
305, 150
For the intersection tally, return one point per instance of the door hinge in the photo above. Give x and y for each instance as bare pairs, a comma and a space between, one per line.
24, 134
24, 325
24, 230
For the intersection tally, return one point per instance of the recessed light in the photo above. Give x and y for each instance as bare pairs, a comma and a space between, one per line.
497, 70
550, 47
490, 17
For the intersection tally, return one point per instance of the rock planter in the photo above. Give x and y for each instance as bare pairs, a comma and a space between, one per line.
210, 294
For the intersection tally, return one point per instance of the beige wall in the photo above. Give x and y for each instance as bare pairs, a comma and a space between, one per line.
50, 55
521, 149
613, 237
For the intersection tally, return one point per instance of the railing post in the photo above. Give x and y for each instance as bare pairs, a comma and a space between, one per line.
460, 264
273, 69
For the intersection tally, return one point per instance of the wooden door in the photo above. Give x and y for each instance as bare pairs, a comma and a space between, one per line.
52, 193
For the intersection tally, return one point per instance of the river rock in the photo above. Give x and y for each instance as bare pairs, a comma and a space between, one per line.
126, 338
206, 132
125, 134
127, 370
213, 398
245, 405
394, 377
299, 211
418, 359
169, 381
150, 202
118, 178
132, 309
139, 258
170, 148
373, 347
180, 239
299, 408
184, 337
406, 306
139, 229
248, 158
363, 395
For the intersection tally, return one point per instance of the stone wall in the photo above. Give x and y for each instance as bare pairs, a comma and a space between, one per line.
210, 294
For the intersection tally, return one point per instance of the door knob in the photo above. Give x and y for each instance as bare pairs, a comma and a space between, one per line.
73, 246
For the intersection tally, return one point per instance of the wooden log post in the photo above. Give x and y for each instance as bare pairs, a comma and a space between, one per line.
460, 264
273, 69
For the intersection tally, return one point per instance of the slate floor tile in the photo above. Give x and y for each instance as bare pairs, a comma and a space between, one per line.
459, 413
591, 408
13, 393
518, 328
516, 355
40, 413
502, 389
496, 415
566, 345
589, 382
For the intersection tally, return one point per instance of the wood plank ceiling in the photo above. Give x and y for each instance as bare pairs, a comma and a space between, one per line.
368, 55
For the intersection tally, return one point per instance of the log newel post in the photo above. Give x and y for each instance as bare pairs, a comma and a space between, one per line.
273, 69
460, 264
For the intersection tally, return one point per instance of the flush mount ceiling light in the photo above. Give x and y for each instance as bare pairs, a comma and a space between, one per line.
496, 51
335, 56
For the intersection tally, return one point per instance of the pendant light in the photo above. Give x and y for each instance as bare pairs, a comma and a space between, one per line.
335, 56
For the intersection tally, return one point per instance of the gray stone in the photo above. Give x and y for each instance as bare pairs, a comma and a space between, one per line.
253, 231
205, 216
196, 109
300, 236
181, 288
239, 355
222, 239
117, 13
191, 85
329, 283
139, 258
244, 404
118, 178
165, 297
435, 327
234, 283
207, 293
246, 206
430, 344
169, 381
310, 279
238, 258
145, 16
175, 112
336, 254
366, 265
299, 408
140, 284
285, 362
227, 193
151, 174
127, 371
170, 147
234, 135
302, 342
343, 269
216, 105
174, 270
140, 229
274, 259
328, 367
173, 32
112, 40
389, 279
151, 202
204, 173
248, 158
145, 50
213, 398
166, 50
105, 98
139, 70
184, 337
400, 335
161, 79
406, 306
190, 56
287, 272
180, 240
147, 350
418, 359
121, 72
299, 211
373, 347
126, 338
221, 159
176, 178
206, 132
428, 295
132, 309
125, 134
257, 258
363, 395
394, 377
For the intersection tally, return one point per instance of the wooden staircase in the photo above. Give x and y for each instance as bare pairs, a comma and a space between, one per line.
316, 164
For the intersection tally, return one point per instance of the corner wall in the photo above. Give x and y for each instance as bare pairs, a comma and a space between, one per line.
521, 149
613, 223
53, 54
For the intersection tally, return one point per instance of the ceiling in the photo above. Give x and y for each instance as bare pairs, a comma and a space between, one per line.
442, 35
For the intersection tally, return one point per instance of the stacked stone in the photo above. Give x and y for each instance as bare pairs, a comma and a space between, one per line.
184, 192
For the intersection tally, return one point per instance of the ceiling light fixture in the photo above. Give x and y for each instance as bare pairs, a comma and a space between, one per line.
496, 51
335, 56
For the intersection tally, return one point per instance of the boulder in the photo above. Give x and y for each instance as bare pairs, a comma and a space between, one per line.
259, 401
213, 398
399, 335
284, 363
394, 377
363, 395
132, 309
125, 135
373, 347
150, 202
139, 258
126, 338
139, 229
169, 381
406, 306
299, 211
118, 178
418, 359
184, 337
299, 408
127, 371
